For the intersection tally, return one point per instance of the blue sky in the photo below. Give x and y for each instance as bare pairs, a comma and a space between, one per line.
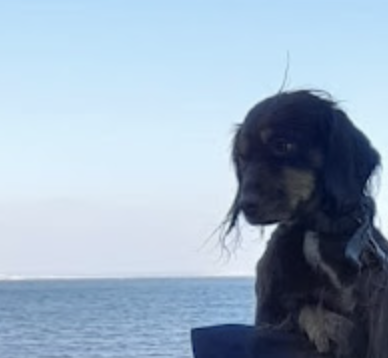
116, 119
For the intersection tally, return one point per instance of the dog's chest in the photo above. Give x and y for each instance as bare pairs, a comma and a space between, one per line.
339, 294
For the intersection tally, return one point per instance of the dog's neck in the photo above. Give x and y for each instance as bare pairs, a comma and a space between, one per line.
335, 221
351, 228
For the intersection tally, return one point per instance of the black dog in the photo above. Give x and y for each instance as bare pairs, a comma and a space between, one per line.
302, 164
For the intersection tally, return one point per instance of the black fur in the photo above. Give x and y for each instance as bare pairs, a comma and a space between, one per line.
302, 164
349, 162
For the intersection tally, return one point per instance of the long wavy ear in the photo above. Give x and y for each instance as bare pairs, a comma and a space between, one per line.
349, 162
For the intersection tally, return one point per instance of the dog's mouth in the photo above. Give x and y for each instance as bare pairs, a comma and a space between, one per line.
255, 216
258, 221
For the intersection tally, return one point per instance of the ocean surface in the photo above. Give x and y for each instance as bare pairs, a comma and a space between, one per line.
116, 318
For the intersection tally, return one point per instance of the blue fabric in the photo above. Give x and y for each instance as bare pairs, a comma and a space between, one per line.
240, 341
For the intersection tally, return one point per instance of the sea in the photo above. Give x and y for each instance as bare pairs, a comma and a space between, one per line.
116, 318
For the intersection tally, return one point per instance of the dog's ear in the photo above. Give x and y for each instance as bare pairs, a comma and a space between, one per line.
349, 162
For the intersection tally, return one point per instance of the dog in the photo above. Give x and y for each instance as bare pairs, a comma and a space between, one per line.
303, 165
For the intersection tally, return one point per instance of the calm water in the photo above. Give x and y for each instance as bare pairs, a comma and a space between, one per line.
115, 318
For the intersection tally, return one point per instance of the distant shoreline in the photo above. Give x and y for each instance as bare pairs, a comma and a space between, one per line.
15, 278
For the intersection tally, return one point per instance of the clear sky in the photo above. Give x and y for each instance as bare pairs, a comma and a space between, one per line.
116, 119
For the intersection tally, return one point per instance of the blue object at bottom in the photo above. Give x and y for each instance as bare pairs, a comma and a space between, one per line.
240, 341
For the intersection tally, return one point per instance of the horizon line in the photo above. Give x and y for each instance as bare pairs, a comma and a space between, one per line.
8, 278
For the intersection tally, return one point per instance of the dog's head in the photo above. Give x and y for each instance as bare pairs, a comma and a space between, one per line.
295, 152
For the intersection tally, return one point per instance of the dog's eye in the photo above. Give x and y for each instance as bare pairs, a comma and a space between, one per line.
282, 147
